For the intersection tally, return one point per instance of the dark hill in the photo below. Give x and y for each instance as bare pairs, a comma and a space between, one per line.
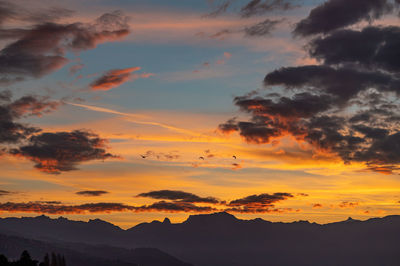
221, 239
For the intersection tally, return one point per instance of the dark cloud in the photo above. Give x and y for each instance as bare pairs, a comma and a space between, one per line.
261, 210
220, 9
383, 150
32, 106
180, 196
253, 7
40, 50
221, 34
175, 201
229, 126
5, 193
347, 106
174, 207
369, 136
336, 14
62, 151
51, 208
254, 132
184, 202
260, 7
371, 48
262, 203
300, 105
57, 208
261, 29
11, 131
262, 200
52, 152
46, 15
272, 119
93, 193
10, 11
343, 83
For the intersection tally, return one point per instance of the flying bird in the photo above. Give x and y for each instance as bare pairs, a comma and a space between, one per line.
143, 156
201, 158
234, 157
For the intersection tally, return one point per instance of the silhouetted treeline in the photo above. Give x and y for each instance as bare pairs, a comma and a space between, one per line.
26, 260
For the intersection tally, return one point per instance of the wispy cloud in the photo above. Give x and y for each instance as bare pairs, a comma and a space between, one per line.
134, 118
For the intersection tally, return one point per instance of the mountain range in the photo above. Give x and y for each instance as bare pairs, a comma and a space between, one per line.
221, 239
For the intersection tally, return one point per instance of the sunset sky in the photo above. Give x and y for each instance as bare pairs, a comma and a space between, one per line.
131, 111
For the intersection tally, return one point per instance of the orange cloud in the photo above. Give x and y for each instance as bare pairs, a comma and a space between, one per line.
117, 77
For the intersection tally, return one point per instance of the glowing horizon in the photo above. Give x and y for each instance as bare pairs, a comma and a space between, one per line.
228, 110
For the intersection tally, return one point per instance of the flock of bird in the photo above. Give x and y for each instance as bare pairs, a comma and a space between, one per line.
208, 154
200, 158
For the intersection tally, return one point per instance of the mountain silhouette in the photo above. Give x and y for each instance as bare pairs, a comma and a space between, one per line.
88, 255
222, 239
61, 229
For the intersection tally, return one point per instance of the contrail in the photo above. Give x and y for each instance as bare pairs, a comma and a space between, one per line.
133, 118
104, 110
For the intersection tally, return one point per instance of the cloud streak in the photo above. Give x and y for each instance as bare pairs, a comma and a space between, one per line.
134, 118
5, 193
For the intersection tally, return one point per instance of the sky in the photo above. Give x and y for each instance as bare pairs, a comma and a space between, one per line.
131, 111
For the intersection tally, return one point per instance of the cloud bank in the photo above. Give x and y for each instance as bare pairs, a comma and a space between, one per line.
347, 105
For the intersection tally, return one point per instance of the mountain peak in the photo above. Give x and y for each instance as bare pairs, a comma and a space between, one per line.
218, 217
351, 220
167, 221
43, 217
97, 221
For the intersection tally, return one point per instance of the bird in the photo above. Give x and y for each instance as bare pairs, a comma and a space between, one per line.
201, 158
143, 156
234, 157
